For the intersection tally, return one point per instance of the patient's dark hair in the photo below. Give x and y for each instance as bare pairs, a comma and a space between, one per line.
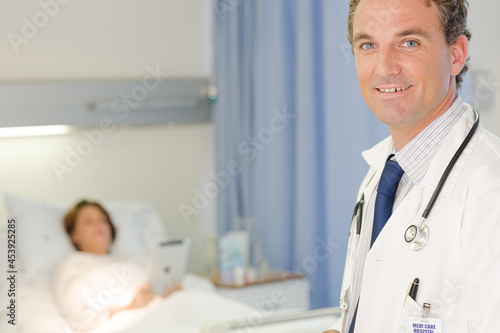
72, 215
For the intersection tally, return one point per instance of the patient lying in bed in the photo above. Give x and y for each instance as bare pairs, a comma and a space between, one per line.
93, 285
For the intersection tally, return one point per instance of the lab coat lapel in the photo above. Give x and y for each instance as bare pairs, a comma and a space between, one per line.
375, 157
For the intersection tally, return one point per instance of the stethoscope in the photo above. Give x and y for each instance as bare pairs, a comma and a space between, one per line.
418, 236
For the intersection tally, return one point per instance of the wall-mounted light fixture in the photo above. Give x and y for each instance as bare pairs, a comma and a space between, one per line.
123, 102
34, 131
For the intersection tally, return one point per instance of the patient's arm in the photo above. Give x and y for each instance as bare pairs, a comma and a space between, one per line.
171, 289
142, 298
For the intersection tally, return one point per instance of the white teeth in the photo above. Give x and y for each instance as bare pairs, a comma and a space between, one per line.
391, 90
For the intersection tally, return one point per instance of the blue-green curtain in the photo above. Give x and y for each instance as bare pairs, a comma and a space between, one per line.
290, 123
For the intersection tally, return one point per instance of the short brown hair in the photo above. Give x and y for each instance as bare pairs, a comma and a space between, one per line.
72, 215
453, 20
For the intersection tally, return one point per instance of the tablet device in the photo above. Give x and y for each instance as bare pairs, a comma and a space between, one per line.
168, 262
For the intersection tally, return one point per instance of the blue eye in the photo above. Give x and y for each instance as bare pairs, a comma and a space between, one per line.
410, 43
367, 46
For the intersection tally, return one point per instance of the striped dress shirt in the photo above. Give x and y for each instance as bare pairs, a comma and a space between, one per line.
414, 158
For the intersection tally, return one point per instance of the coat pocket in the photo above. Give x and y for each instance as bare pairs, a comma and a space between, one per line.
453, 322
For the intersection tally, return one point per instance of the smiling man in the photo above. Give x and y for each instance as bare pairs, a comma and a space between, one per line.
429, 212
406, 68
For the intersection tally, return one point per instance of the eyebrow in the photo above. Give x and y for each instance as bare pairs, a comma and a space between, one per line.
417, 32
360, 37
410, 32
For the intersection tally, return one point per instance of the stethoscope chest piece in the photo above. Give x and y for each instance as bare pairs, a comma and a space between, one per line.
417, 237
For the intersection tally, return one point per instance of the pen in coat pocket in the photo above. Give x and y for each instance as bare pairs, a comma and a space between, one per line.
412, 290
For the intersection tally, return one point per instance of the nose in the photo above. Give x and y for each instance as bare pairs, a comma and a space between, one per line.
100, 224
388, 63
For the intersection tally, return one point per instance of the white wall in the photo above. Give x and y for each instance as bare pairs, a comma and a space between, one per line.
159, 164
103, 39
48, 40
484, 51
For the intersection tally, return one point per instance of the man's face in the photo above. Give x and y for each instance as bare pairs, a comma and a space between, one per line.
403, 61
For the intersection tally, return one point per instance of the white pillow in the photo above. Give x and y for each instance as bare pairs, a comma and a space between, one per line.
138, 227
42, 241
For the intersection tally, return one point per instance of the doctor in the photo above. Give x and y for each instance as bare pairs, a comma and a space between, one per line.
410, 57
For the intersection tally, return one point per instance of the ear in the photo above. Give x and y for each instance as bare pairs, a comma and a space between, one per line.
459, 52
74, 238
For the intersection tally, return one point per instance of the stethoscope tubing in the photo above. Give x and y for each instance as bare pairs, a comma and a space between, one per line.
450, 166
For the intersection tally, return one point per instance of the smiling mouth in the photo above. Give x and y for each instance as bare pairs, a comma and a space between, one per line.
392, 90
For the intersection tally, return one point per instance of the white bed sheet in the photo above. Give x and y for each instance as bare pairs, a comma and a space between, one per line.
184, 311
188, 311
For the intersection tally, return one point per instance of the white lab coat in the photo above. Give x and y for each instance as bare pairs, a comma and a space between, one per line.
459, 268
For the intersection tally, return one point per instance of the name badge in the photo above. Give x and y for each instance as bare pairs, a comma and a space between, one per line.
424, 325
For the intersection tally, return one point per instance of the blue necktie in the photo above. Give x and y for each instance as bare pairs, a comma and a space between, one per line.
386, 192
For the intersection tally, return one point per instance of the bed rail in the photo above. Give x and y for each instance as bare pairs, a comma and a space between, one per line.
281, 317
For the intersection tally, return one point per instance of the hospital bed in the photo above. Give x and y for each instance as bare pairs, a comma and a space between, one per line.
42, 243
289, 322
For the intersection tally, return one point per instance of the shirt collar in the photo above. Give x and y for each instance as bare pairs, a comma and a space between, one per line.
415, 157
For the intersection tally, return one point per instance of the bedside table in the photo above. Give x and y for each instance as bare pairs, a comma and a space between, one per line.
273, 293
